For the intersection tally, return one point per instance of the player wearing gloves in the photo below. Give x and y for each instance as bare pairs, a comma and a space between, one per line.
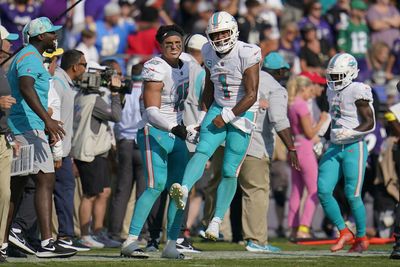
230, 99
352, 118
162, 139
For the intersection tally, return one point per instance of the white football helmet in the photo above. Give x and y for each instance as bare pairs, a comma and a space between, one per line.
222, 21
342, 70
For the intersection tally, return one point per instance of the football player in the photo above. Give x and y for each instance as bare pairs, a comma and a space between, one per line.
230, 100
162, 139
352, 118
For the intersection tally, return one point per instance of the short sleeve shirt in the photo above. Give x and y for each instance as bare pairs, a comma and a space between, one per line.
297, 109
28, 62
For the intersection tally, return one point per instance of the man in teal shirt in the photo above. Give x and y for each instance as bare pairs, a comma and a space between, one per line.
29, 82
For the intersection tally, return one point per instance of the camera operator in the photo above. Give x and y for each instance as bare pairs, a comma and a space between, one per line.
90, 146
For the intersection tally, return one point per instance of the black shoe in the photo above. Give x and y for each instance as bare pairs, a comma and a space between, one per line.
72, 244
280, 232
3, 255
15, 252
16, 238
2, 258
54, 250
152, 245
184, 245
396, 252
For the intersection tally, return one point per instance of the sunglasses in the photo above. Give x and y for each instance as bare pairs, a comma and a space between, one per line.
83, 64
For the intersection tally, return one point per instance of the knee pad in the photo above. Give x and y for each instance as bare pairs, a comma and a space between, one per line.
229, 171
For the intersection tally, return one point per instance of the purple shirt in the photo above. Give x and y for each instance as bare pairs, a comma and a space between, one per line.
324, 30
396, 54
14, 21
290, 54
95, 8
57, 8
387, 36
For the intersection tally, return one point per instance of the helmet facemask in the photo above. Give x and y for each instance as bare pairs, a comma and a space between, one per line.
339, 80
225, 44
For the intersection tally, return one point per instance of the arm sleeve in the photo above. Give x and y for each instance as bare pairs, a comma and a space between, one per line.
54, 102
104, 112
277, 112
156, 119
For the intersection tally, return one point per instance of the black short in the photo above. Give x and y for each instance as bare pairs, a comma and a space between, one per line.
95, 175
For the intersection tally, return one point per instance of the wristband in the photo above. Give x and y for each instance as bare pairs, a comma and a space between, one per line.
292, 149
227, 115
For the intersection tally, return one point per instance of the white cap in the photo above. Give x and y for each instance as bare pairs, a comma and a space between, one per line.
5, 35
197, 41
92, 66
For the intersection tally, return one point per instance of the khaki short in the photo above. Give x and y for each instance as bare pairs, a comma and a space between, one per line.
43, 158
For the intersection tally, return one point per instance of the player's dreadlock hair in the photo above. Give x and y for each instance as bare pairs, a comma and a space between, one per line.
167, 31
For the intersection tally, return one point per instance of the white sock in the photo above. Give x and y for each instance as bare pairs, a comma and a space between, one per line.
131, 238
45, 242
217, 220
4, 246
171, 244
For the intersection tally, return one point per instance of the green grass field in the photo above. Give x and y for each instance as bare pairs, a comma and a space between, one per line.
227, 254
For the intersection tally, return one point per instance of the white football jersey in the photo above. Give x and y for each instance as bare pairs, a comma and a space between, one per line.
342, 107
227, 72
175, 90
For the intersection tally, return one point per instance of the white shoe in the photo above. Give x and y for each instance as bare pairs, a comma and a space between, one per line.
212, 231
89, 241
179, 194
131, 249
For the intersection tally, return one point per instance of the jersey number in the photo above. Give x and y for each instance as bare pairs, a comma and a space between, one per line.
222, 80
359, 41
182, 95
336, 115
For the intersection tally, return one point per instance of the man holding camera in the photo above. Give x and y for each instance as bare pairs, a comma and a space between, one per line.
90, 146
29, 82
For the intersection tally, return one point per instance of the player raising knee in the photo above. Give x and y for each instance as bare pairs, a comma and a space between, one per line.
162, 140
230, 95
352, 118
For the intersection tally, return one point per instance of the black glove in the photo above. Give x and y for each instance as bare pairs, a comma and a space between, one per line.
180, 131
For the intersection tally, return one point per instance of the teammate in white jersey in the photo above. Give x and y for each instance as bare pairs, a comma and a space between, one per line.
352, 118
230, 97
162, 139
